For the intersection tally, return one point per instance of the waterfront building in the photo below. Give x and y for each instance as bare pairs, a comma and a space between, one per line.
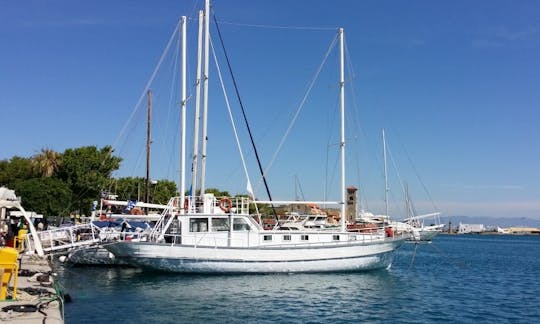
470, 228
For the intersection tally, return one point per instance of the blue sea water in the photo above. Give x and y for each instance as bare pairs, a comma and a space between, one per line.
456, 279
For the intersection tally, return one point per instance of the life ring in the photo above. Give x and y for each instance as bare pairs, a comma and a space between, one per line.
225, 204
389, 231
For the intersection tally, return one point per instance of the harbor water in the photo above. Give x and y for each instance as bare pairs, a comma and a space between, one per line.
458, 279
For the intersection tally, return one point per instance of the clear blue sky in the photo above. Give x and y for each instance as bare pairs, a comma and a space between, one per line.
455, 84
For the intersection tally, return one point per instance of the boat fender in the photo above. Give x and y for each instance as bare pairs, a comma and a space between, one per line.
389, 232
225, 204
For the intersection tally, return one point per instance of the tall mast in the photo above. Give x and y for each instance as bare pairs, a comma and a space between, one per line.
148, 142
385, 175
183, 119
342, 105
205, 94
194, 162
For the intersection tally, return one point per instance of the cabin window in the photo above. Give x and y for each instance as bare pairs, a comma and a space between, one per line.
286, 237
198, 225
304, 237
267, 238
335, 237
240, 224
220, 224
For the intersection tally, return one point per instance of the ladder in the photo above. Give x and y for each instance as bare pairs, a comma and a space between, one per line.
63, 239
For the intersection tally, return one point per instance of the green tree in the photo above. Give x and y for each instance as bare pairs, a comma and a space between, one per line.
217, 192
47, 196
15, 169
87, 171
162, 191
128, 188
133, 188
46, 163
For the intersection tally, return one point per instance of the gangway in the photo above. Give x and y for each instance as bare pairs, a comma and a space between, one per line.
63, 239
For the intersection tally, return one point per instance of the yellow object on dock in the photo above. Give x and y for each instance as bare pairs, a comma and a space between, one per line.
9, 269
19, 240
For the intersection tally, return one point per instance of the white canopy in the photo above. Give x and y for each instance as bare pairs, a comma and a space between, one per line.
8, 199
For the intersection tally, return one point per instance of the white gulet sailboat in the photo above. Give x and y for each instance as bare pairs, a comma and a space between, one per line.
206, 234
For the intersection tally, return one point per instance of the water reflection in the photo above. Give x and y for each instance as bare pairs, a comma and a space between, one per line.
452, 280
292, 298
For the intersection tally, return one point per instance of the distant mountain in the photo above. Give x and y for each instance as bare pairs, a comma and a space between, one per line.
492, 221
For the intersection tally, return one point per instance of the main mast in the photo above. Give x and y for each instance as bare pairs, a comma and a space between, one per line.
385, 176
195, 159
205, 93
183, 119
342, 142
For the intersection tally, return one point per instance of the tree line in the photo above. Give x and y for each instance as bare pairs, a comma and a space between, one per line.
60, 184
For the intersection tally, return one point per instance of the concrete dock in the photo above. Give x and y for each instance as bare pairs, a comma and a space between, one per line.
37, 300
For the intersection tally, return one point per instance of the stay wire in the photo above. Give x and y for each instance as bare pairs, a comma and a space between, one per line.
245, 118
153, 75
135, 108
250, 189
279, 27
302, 103
413, 256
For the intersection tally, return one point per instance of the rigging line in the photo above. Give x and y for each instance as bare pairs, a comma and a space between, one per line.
165, 51
297, 183
419, 178
332, 176
302, 103
250, 189
279, 27
330, 125
355, 111
245, 118
356, 119
414, 256
171, 106
401, 182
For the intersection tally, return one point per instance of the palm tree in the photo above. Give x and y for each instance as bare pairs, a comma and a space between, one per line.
47, 162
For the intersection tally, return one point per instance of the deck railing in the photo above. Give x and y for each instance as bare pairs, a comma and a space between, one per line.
66, 238
245, 239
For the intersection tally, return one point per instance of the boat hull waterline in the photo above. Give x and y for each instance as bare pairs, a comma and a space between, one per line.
201, 259
93, 256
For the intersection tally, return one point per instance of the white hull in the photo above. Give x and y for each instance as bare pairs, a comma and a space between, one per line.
428, 233
96, 255
313, 258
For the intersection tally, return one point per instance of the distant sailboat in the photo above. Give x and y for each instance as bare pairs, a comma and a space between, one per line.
413, 224
422, 232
